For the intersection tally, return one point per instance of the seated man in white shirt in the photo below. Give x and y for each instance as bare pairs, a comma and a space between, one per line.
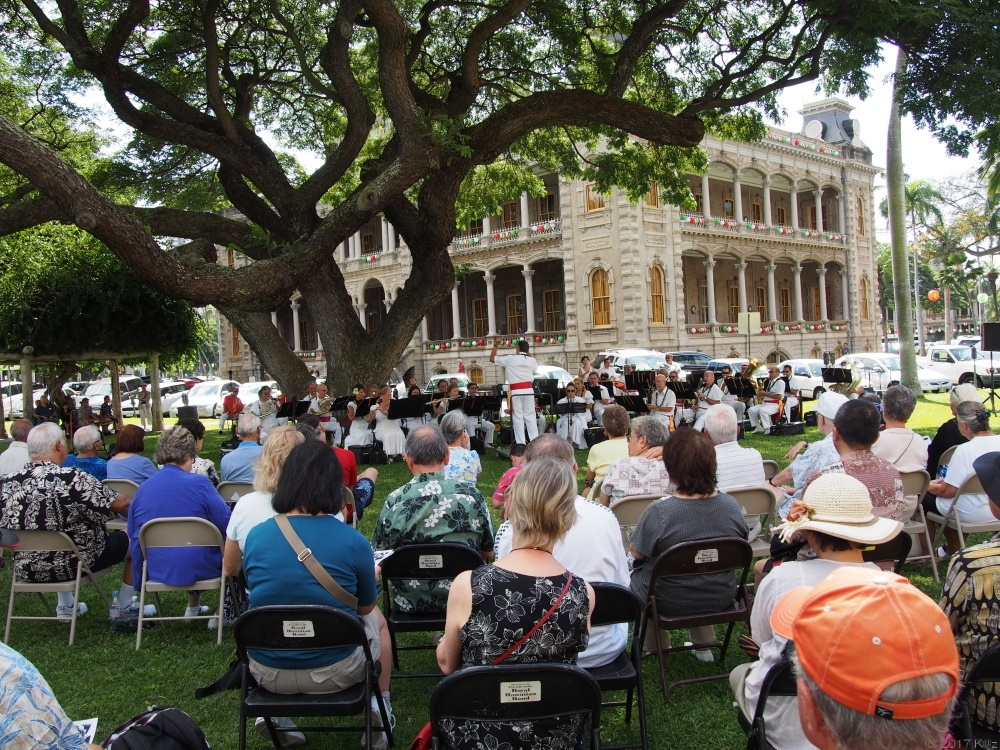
793, 384
482, 422
604, 399
737, 466
661, 400
709, 394
731, 399
592, 549
773, 394
573, 426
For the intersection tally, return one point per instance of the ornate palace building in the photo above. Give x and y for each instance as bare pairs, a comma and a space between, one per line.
783, 227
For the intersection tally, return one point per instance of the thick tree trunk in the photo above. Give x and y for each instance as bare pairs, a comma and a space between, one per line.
896, 184
277, 357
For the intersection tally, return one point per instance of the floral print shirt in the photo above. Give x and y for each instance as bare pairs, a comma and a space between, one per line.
46, 496
431, 508
463, 465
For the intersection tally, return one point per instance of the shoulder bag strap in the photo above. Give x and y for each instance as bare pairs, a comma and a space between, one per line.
538, 624
306, 557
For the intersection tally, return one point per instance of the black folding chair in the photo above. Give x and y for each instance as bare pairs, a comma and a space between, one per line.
420, 562
617, 604
779, 680
305, 628
986, 669
896, 550
699, 558
502, 694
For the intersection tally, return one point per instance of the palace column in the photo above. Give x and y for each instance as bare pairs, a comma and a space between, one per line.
793, 196
797, 273
456, 321
296, 332
767, 203
491, 308
529, 299
821, 278
772, 307
710, 290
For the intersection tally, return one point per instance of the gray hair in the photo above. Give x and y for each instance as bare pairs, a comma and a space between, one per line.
973, 414
650, 428
453, 425
550, 445
175, 446
963, 392
43, 438
85, 437
20, 428
850, 728
248, 425
720, 423
426, 446
898, 402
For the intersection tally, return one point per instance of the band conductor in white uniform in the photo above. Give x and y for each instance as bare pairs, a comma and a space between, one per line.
519, 372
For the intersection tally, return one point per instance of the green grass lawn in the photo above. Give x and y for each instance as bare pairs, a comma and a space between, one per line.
102, 674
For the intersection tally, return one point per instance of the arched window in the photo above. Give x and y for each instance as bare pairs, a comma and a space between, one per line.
861, 217
600, 298
863, 297
656, 295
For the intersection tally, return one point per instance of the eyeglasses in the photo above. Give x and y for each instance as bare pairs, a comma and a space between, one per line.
570, 390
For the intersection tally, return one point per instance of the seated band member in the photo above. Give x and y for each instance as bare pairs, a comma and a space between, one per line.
661, 400
360, 433
482, 422
322, 407
603, 401
709, 394
573, 426
793, 384
773, 392
265, 409
730, 398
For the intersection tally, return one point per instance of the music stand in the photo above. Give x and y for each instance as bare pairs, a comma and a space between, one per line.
632, 403
475, 406
340, 403
595, 391
742, 388
547, 390
364, 407
684, 390
838, 375
406, 408
640, 380
574, 408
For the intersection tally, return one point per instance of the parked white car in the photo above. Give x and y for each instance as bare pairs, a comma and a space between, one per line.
810, 374
208, 397
880, 370
962, 364
171, 395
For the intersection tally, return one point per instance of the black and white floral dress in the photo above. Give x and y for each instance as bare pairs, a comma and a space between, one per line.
505, 606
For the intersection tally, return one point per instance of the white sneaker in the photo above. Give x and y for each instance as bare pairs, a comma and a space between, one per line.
379, 739
706, 655
942, 553
190, 612
213, 623
285, 739
66, 613
132, 612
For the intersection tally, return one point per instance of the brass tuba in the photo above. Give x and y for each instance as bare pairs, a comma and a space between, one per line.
752, 366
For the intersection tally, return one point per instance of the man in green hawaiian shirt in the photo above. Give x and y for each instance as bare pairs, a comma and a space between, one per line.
430, 509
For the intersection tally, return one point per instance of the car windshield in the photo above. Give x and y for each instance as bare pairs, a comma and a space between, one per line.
646, 362
204, 389
553, 375
890, 362
816, 369
98, 389
961, 353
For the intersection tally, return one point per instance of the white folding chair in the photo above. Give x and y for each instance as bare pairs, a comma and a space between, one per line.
165, 533
125, 487
629, 511
759, 501
770, 469
971, 485
915, 483
231, 492
35, 540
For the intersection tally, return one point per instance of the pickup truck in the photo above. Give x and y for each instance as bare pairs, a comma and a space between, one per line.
962, 364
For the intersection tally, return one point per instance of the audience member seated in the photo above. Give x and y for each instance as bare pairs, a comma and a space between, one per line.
45, 411
307, 497
615, 422
362, 486
107, 417
16, 456
643, 472
516, 462
232, 407
591, 548
948, 434
30, 715
974, 424
463, 464
529, 583
876, 663
256, 507
898, 444
88, 442
175, 493
970, 600
696, 510
44, 495
818, 454
201, 465
738, 466
431, 508
238, 465
85, 414
127, 462
835, 516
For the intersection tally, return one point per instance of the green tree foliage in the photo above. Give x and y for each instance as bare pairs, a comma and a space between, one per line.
399, 104
64, 294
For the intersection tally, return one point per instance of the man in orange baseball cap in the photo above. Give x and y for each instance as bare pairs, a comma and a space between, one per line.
876, 661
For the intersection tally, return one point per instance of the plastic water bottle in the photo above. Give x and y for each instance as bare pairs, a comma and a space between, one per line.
115, 612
